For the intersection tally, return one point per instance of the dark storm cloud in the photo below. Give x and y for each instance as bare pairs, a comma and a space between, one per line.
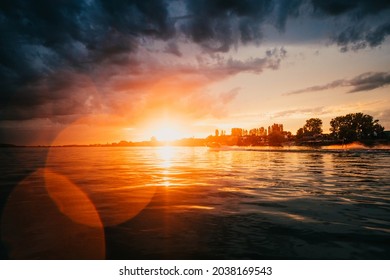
45, 43
218, 25
364, 82
225, 22
52, 51
358, 37
358, 7
366, 22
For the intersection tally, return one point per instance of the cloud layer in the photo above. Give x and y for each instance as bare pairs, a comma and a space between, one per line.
62, 59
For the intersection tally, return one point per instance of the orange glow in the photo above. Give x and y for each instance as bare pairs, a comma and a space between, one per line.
165, 155
91, 129
116, 201
166, 130
70, 200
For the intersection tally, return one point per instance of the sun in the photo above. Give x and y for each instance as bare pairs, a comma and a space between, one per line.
166, 130
167, 133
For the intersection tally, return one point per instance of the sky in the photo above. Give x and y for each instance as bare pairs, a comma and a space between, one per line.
90, 71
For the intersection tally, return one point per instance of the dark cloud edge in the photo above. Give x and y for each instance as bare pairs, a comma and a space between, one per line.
364, 82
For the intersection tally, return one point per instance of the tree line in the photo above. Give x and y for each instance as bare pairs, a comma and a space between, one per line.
346, 129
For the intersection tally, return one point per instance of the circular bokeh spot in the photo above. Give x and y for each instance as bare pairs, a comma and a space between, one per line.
119, 189
36, 226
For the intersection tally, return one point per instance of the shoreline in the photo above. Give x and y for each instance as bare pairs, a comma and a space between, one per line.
355, 146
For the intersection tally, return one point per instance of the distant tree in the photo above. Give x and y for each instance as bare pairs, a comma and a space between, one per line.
276, 138
287, 134
312, 127
355, 127
300, 133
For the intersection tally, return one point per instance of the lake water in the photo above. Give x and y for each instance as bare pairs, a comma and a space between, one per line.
194, 203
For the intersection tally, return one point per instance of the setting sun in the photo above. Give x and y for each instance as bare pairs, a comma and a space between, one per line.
166, 130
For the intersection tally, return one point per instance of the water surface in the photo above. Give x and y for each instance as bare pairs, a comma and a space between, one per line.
193, 203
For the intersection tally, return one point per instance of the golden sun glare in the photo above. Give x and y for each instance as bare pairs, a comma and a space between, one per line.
166, 131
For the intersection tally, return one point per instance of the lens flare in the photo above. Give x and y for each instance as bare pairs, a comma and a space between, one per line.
34, 226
